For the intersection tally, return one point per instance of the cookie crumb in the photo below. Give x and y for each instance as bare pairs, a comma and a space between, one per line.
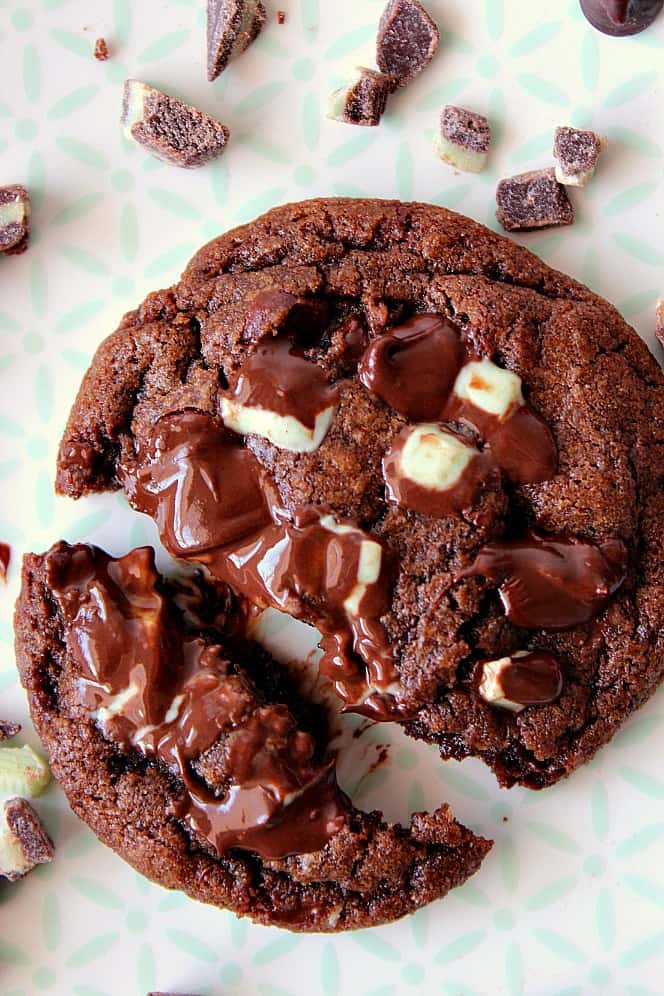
363, 100
101, 50
14, 220
533, 200
281, 17
169, 129
464, 139
577, 153
407, 41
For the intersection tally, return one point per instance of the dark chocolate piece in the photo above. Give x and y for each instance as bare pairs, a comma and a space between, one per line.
8, 730
585, 373
577, 152
170, 129
14, 220
101, 53
232, 25
533, 200
362, 101
526, 678
407, 40
621, 17
130, 786
551, 581
35, 845
5, 559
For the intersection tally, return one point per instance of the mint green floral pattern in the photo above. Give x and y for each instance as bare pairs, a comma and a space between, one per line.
571, 901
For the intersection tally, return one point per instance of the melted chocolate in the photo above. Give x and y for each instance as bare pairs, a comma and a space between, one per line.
532, 678
413, 369
5, 558
276, 377
551, 582
275, 310
621, 17
153, 689
307, 565
407, 493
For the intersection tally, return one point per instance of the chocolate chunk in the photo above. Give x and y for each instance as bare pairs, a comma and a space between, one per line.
232, 25
533, 200
25, 839
5, 558
14, 220
464, 139
141, 771
525, 679
551, 581
8, 730
170, 129
363, 100
407, 40
101, 53
577, 153
621, 17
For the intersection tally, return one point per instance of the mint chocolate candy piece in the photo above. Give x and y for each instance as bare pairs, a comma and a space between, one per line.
14, 220
363, 100
407, 40
533, 200
232, 25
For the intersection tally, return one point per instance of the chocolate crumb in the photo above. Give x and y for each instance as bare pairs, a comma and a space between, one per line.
8, 730
5, 557
533, 200
281, 17
101, 50
407, 40
35, 844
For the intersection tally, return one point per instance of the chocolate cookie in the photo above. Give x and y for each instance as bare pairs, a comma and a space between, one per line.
186, 750
391, 422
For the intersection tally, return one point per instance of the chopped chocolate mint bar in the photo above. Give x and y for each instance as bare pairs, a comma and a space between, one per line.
170, 129
24, 843
363, 100
232, 25
464, 139
407, 40
14, 220
577, 153
533, 200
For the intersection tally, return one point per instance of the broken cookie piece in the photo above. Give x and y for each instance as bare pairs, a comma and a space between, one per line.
169, 129
232, 25
407, 40
533, 200
464, 139
363, 100
14, 220
577, 153
24, 843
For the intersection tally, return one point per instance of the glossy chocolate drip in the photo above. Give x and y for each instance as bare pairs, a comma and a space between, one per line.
153, 689
413, 368
533, 678
551, 582
277, 378
275, 311
308, 565
461, 494
621, 17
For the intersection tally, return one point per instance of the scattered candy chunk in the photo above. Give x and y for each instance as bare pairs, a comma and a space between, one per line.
232, 25
526, 678
22, 772
101, 50
24, 842
363, 100
14, 220
533, 200
170, 129
464, 139
577, 153
407, 40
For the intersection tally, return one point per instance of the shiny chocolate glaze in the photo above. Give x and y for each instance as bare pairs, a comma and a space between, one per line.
551, 582
306, 564
532, 678
153, 689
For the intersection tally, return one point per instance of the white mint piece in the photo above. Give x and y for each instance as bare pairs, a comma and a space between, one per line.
433, 458
12, 213
134, 108
13, 862
116, 705
490, 388
464, 159
284, 431
394, 688
23, 772
369, 564
580, 177
491, 688
336, 102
